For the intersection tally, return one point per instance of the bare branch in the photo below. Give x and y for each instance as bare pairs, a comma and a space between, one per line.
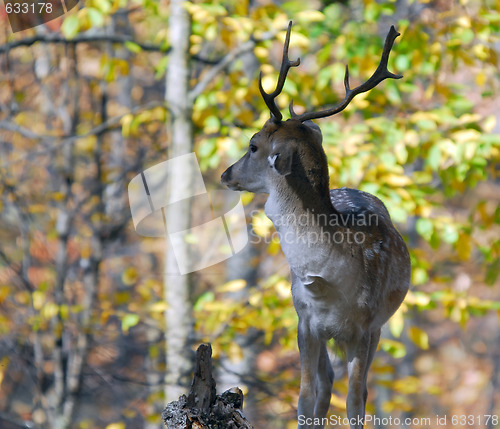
97, 38
83, 38
64, 140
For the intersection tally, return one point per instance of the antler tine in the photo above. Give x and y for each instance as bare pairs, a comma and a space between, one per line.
285, 66
378, 76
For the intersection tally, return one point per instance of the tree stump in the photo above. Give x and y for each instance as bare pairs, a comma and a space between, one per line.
203, 408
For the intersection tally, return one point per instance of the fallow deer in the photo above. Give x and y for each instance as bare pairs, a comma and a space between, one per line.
350, 267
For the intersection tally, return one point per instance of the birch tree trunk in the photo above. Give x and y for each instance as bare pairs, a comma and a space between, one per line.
178, 316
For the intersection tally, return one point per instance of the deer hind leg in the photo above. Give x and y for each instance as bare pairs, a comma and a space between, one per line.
374, 339
359, 357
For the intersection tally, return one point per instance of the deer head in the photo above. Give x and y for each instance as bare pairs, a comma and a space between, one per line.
281, 147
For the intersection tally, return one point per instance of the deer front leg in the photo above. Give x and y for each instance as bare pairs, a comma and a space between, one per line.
359, 355
316, 379
324, 384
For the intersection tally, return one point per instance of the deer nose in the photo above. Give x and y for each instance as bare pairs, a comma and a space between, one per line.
226, 176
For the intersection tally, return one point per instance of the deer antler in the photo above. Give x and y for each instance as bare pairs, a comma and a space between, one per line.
285, 66
378, 76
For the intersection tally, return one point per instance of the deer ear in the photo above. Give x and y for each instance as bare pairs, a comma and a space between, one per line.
281, 161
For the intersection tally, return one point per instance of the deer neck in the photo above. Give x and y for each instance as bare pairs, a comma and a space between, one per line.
292, 200
302, 218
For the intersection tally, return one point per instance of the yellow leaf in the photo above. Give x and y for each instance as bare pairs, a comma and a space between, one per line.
268, 80
37, 208
255, 299
274, 246
261, 52
50, 310
467, 135
397, 323
86, 251
246, 198
481, 78
411, 138
57, 196
268, 336
64, 309
337, 402
122, 297
297, 40
158, 307
118, 425
463, 246
126, 121
232, 286
283, 288
419, 337
481, 52
310, 16
417, 298
224, 143
261, 224
489, 123
235, 353
86, 145
407, 385
4, 292
464, 21
396, 180
130, 276
383, 369
38, 299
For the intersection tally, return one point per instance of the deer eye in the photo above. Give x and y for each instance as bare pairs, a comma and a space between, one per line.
253, 148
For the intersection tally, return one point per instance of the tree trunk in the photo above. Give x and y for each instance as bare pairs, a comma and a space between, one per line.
179, 328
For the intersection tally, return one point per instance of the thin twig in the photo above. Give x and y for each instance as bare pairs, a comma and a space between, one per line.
221, 65
83, 38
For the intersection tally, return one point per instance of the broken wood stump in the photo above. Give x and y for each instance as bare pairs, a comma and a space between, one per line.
203, 408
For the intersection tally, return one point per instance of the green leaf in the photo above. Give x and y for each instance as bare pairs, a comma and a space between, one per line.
425, 227
71, 26
129, 321
434, 157
419, 276
133, 47
161, 67
394, 348
103, 5
204, 298
450, 233
95, 16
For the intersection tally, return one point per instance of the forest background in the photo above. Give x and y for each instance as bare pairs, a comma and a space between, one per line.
94, 334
